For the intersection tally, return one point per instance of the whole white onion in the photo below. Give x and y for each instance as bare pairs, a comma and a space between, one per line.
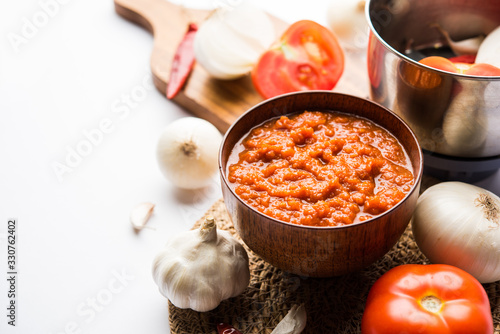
187, 152
458, 224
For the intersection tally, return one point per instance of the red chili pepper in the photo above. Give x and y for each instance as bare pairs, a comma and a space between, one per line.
227, 329
183, 62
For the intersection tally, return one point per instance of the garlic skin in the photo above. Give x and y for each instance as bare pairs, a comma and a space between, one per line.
294, 322
187, 152
458, 224
200, 268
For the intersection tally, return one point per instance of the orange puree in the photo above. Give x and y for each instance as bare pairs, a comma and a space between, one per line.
320, 169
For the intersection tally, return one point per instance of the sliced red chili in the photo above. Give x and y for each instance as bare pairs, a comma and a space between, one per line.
183, 62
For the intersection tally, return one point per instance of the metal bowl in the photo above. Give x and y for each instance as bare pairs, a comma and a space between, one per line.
453, 115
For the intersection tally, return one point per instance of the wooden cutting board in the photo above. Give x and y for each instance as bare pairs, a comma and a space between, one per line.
218, 101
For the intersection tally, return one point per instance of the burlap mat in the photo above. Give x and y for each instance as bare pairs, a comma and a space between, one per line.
333, 305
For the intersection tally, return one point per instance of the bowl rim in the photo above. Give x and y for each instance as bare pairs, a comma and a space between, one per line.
417, 178
414, 62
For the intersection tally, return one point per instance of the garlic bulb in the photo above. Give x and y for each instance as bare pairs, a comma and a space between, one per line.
200, 268
187, 152
458, 224
229, 43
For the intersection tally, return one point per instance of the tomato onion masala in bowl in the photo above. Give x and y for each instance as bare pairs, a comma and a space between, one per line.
319, 183
320, 168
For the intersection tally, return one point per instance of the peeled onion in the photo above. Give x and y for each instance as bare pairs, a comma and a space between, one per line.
187, 152
489, 51
229, 43
458, 224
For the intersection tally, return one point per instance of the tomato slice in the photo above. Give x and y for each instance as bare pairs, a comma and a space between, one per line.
483, 70
438, 299
307, 56
448, 65
440, 63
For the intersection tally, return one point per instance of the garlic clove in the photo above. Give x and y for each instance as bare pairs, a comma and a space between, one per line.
464, 47
294, 322
140, 215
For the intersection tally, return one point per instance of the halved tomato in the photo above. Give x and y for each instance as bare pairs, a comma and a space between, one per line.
447, 65
307, 56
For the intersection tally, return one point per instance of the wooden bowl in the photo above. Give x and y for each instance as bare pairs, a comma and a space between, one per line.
320, 251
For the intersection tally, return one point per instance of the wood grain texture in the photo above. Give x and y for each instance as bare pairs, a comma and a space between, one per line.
220, 102
324, 251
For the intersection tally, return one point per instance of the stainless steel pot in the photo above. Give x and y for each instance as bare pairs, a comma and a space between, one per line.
452, 114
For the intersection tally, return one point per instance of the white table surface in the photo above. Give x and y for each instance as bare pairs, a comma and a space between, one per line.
81, 268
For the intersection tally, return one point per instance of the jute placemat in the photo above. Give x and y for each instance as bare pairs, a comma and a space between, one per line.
333, 305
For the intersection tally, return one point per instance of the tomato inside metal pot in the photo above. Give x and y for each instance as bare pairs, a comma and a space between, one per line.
453, 115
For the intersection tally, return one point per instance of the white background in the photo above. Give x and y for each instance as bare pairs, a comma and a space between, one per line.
74, 235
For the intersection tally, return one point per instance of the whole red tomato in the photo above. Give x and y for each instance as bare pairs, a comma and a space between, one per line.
307, 56
461, 66
421, 299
